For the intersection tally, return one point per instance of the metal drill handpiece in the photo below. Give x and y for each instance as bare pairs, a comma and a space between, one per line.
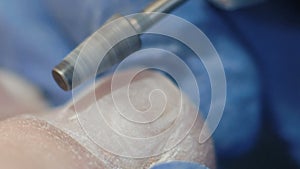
105, 44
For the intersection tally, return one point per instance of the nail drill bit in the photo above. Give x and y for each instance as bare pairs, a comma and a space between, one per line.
64, 73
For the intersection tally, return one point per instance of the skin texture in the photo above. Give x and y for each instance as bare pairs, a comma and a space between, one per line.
31, 143
57, 140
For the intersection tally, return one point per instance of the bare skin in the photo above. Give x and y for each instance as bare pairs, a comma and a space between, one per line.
56, 140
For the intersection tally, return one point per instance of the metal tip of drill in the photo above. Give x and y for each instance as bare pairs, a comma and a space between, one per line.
60, 74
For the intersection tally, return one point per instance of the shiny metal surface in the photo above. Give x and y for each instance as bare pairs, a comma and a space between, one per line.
80, 64
99, 42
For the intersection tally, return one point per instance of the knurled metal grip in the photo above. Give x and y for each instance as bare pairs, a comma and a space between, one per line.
103, 49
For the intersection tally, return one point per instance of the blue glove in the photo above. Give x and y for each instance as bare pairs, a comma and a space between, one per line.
179, 165
272, 32
30, 45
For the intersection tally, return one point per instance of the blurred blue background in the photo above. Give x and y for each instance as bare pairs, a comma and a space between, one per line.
259, 46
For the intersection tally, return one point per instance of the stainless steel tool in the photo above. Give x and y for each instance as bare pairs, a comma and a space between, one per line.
64, 72
67, 77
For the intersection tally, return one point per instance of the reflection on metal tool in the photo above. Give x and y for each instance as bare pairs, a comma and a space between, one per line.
63, 72
101, 40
